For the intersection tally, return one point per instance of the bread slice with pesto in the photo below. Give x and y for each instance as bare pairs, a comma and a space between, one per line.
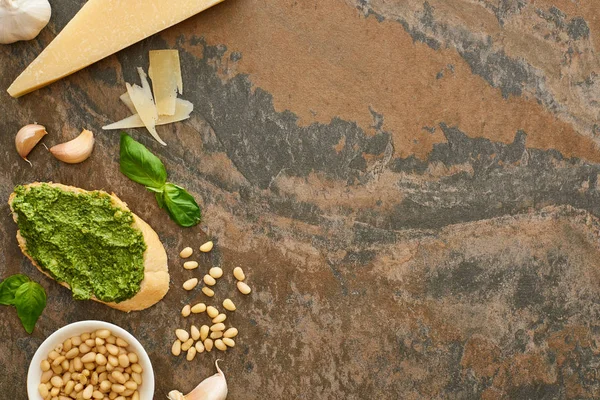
91, 243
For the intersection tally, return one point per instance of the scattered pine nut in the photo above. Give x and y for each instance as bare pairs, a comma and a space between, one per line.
229, 342
220, 345
182, 334
199, 308
243, 288
186, 346
239, 274
219, 318
230, 333
208, 344
191, 353
195, 333
209, 280
204, 330
206, 247
190, 265
185, 311
199, 347
216, 335
218, 327
216, 272
185, 253
208, 291
190, 284
212, 311
228, 305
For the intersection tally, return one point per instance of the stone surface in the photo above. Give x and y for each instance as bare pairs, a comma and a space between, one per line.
411, 187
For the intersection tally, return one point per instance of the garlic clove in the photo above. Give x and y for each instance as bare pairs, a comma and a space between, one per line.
22, 19
27, 137
76, 150
212, 388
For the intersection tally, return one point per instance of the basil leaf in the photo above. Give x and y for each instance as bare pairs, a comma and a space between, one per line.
9, 287
159, 199
30, 300
140, 165
181, 206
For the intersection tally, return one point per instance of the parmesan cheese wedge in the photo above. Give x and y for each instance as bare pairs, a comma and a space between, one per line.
141, 97
99, 29
165, 72
183, 109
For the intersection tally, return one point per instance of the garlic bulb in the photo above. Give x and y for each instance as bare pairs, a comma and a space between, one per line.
212, 388
76, 150
22, 19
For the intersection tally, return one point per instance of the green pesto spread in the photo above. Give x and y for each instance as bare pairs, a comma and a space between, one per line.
83, 240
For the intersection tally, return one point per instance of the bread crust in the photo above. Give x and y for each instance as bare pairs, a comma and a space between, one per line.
155, 284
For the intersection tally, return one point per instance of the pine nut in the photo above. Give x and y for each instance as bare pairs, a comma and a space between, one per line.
112, 349
195, 333
45, 365
216, 272
190, 284
189, 265
208, 291
101, 359
57, 381
69, 387
186, 346
229, 342
43, 390
239, 274
135, 396
209, 280
117, 388
122, 343
137, 378
219, 318
185, 253
136, 368
71, 354
199, 347
186, 310
206, 247
53, 355
230, 333
88, 358
191, 353
216, 335
46, 376
220, 345
97, 394
84, 348
243, 288
113, 360
212, 311
199, 308
131, 385
208, 345
182, 335
54, 391
133, 358
228, 305
67, 345
204, 331
176, 348
87, 392
119, 377
99, 341
217, 327
102, 333
105, 386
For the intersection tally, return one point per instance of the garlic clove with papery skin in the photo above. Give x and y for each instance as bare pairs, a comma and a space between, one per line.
27, 137
212, 388
22, 19
76, 150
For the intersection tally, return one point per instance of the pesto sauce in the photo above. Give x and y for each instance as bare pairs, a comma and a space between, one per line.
82, 239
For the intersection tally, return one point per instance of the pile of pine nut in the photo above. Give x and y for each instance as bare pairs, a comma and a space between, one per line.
94, 365
216, 335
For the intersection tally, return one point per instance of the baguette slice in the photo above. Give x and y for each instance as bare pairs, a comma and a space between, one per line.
155, 284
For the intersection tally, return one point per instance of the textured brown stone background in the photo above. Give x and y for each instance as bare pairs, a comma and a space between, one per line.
412, 188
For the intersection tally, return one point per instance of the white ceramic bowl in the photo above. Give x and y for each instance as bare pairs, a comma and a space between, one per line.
34, 375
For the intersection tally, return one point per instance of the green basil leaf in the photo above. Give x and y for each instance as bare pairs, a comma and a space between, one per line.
30, 300
181, 206
9, 287
159, 199
140, 165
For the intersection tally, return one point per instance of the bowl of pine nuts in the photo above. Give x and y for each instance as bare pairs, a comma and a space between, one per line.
90, 360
